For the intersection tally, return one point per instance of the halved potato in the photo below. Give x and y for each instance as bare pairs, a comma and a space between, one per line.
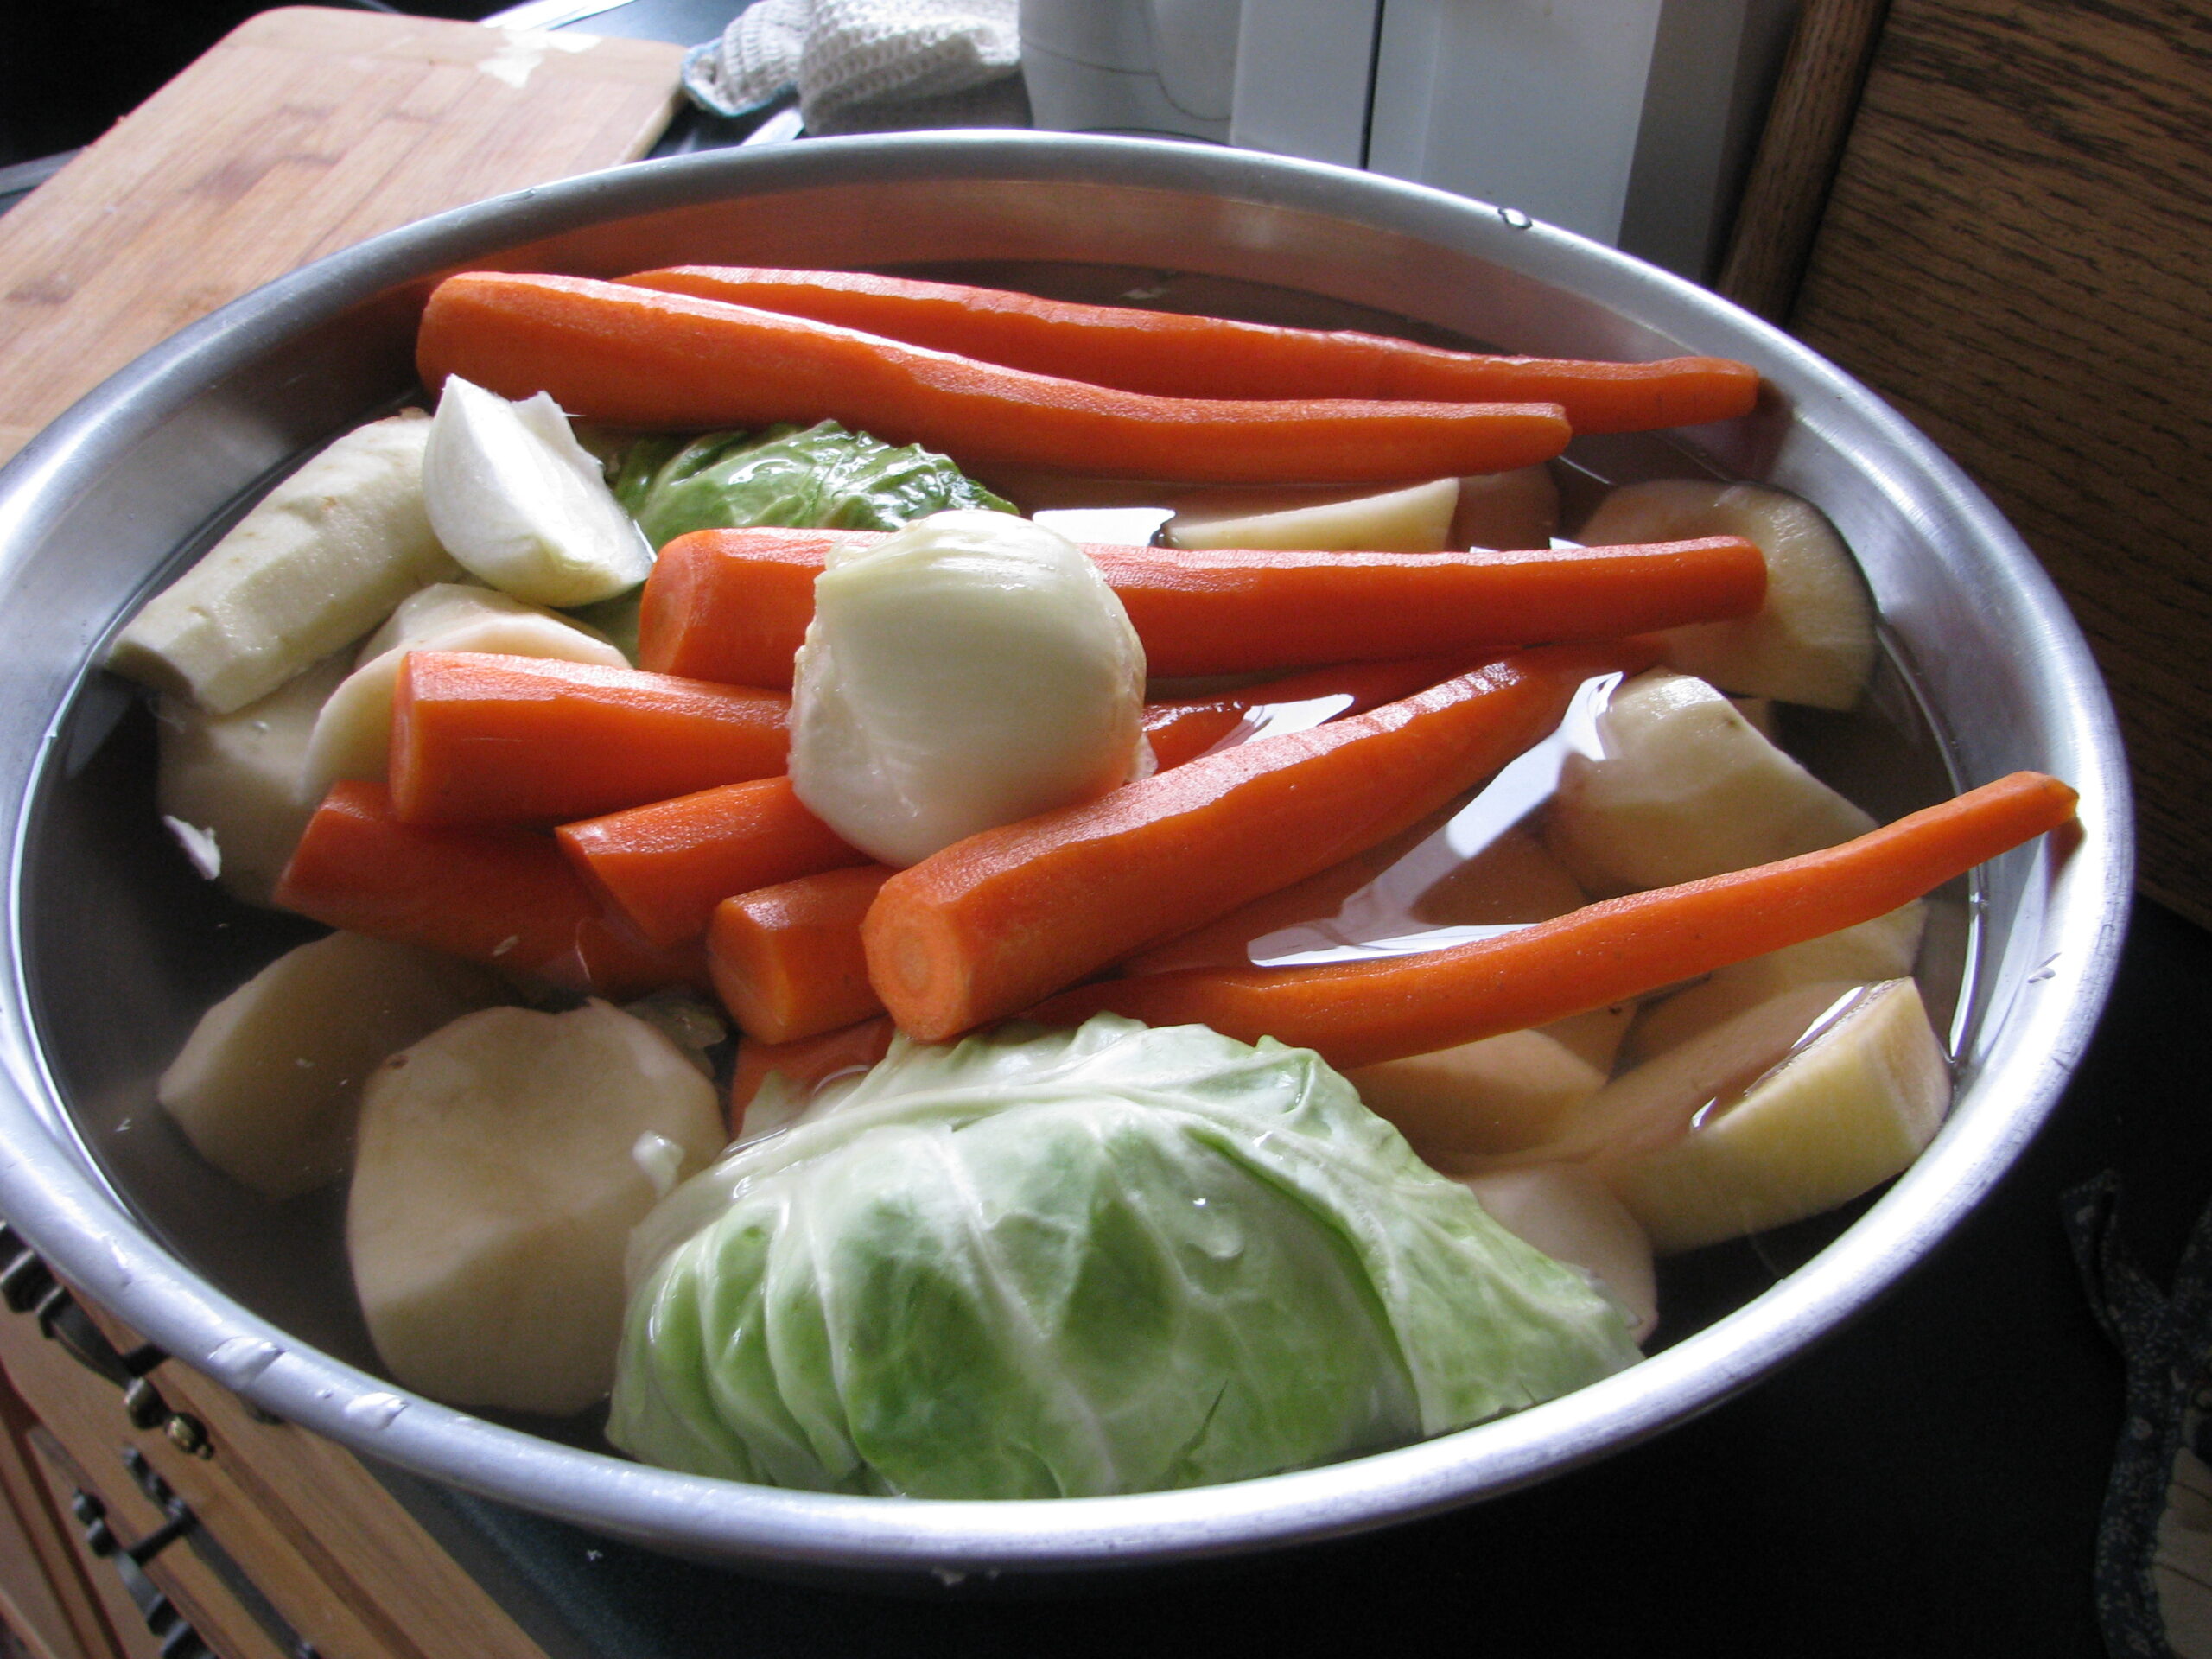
236, 777
502, 1162
1844, 1113
1572, 1216
1413, 519
1687, 789
1885, 948
267, 1086
1813, 641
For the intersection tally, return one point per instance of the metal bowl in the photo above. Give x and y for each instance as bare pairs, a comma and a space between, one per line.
116, 948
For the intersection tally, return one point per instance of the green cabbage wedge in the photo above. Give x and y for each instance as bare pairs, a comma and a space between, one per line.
1040, 1264
820, 477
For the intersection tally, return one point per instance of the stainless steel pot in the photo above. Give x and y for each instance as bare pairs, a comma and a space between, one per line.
116, 950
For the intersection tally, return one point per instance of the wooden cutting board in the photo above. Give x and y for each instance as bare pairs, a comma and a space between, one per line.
302, 132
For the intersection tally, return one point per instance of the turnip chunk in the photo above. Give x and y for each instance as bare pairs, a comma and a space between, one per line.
1842, 1114
495, 1182
267, 1086
236, 777
1571, 1216
1812, 642
1686, 789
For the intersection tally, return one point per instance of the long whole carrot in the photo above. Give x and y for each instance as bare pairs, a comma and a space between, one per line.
665, 866
478, 738
1173, 355
1185, 728
1362, 1014
504, 897
632, 357
994, 922
733, 605
787, 961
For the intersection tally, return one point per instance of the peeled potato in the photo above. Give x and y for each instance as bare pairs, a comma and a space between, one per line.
1848, 1110
353, 732
1416, 519
267, 1085
1502, 1094
1687, 789
1885, 948
502, 1164
1812, 642
237, 777
1572, 1216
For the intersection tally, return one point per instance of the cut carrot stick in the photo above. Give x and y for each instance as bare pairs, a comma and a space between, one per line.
733, 605
505, 897
1176, 356
632, 357
994, 922
1362, 1014
787, 961
1184, 730
484, 739
807, 1064
665, 867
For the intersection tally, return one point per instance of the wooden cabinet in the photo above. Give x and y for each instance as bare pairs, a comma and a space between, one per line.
185, 1522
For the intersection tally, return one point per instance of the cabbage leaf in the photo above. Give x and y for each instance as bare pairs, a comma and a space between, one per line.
1061, 1263
820, 477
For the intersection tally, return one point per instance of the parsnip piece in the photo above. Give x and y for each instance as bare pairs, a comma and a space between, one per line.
1687, 789
1812, 642
1413, 519
236, 777
523, 505
495, 1182
1852, 1109
1516, 509
352, 734
321, 560
267, 1085
1885, 948
967, 670
1502, 1094
1572, 1216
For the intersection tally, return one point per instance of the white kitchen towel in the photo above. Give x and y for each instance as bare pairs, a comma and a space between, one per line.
842, 52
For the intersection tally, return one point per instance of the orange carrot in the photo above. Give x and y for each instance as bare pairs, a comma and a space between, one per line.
806, 1063
504, 897
665, 867
482, 739
1173, 355
787, 961
733, 605
997, 921
1185, 728
1362, 1014
632, 357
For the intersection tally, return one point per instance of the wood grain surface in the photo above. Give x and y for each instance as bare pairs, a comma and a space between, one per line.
2014, 252
1815, 99
302, 132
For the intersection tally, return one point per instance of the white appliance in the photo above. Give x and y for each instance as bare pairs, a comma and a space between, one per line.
1631, 121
